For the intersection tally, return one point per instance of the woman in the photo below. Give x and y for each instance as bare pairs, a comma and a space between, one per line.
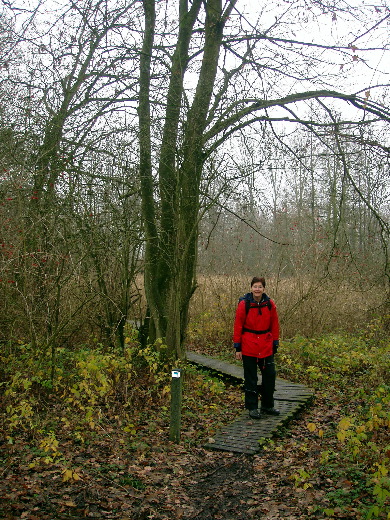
256, 340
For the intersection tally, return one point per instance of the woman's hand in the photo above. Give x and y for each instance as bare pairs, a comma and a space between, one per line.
239, 356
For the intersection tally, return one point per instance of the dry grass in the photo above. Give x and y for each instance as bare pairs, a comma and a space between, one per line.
306, 307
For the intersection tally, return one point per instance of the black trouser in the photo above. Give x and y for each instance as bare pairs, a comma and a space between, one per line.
268, 372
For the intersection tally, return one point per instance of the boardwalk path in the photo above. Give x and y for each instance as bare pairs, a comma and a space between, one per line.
243, 435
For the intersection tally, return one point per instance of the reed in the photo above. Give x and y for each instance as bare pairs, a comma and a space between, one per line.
307, 307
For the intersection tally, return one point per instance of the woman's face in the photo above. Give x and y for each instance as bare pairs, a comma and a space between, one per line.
257, 290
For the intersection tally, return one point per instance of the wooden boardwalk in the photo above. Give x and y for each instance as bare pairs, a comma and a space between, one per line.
244, 435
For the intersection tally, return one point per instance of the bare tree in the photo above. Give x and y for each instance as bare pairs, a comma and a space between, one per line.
193, 76
74, 77
244, 74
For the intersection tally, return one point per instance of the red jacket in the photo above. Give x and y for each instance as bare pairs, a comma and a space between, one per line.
262, 319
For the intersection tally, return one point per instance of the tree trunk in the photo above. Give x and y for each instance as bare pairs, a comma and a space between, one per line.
171, 247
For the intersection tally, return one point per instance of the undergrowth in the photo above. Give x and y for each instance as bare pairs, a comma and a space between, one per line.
93, 391
351, 373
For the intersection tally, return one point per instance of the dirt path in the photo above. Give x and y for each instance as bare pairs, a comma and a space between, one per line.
176, 483
158, 480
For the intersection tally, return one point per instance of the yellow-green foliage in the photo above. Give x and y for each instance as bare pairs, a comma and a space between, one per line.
86, 381
353, 373
90, 388
339, 358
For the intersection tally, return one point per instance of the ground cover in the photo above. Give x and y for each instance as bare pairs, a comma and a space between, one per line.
92, 442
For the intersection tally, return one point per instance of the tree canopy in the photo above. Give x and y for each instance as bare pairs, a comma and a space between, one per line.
165, 93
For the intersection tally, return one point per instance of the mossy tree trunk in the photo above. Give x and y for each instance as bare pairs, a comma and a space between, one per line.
172, 230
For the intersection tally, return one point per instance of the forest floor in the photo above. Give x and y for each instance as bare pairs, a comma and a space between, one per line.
98, 447
108, 477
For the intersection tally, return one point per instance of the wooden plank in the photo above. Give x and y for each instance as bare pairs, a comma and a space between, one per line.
218, 365
244, 435
284, 389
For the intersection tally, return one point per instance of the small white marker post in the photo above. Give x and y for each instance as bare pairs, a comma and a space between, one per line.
176, 393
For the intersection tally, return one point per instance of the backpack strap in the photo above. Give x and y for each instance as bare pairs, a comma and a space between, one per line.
248, 305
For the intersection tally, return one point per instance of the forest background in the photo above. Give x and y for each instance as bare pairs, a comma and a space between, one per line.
154, 157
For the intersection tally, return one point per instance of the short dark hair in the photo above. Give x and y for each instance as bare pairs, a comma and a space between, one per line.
257, 279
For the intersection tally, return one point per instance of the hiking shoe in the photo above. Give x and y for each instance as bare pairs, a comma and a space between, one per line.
255, 414
270, 411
